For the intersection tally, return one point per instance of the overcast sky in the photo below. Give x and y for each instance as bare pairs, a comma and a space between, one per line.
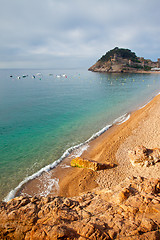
75, 33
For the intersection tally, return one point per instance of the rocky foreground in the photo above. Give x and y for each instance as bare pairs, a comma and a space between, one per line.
130, 211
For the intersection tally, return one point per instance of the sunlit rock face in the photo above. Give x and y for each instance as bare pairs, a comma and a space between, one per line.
130, 211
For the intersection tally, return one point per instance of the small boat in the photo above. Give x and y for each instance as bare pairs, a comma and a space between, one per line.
24, 76
64, 75
39, 74
58, 76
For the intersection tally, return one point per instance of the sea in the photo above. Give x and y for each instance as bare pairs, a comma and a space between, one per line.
45, 114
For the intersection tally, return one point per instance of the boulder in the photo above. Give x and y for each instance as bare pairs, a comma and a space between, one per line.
142, 156
90, 164
124, 215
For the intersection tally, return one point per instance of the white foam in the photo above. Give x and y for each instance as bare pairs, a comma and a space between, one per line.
122, 119
143, 105
95, 135
12, 193
47, 184
148, 101
81, 148
78, 152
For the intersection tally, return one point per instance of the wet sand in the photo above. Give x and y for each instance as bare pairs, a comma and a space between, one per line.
143, 128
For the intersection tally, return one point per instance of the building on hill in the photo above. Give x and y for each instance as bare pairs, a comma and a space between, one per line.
123, 60
158, 63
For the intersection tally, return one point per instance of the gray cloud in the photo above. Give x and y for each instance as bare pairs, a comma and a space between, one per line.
59, 33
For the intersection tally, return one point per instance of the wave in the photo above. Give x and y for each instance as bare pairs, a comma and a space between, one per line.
149, 101
122, 119
80, 147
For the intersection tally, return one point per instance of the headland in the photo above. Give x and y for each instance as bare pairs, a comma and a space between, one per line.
120, 60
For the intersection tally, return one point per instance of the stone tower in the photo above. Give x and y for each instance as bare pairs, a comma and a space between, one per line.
115, 57
158, 63
130, 62
142, 64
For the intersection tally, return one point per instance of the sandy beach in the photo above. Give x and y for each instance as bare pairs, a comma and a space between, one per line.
142, 128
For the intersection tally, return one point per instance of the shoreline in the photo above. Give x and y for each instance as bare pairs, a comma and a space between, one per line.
112, 147
67, 155
66, 181
140, 72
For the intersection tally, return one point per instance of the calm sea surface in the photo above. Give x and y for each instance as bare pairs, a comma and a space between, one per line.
41, 116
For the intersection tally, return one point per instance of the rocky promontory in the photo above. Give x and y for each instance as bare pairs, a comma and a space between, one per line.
131, 211
119, 60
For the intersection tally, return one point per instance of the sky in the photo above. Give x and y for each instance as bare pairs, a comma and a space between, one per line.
75, 33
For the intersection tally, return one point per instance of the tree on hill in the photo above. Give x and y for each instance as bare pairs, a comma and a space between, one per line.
120, 52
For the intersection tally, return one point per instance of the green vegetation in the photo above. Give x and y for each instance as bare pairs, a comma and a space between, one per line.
136, 66
147, 68
121, 59
120, 52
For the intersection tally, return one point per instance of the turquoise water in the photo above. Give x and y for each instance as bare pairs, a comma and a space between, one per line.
41, 117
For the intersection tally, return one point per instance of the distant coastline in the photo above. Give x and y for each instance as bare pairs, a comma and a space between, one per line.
120, 60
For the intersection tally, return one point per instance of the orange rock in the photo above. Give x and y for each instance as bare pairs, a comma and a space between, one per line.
143, 156
89, 216
90, 164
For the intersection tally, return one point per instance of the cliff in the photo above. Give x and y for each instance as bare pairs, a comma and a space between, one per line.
131, 211
120, 60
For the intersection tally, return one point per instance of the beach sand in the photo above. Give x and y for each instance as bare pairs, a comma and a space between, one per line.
143, 128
